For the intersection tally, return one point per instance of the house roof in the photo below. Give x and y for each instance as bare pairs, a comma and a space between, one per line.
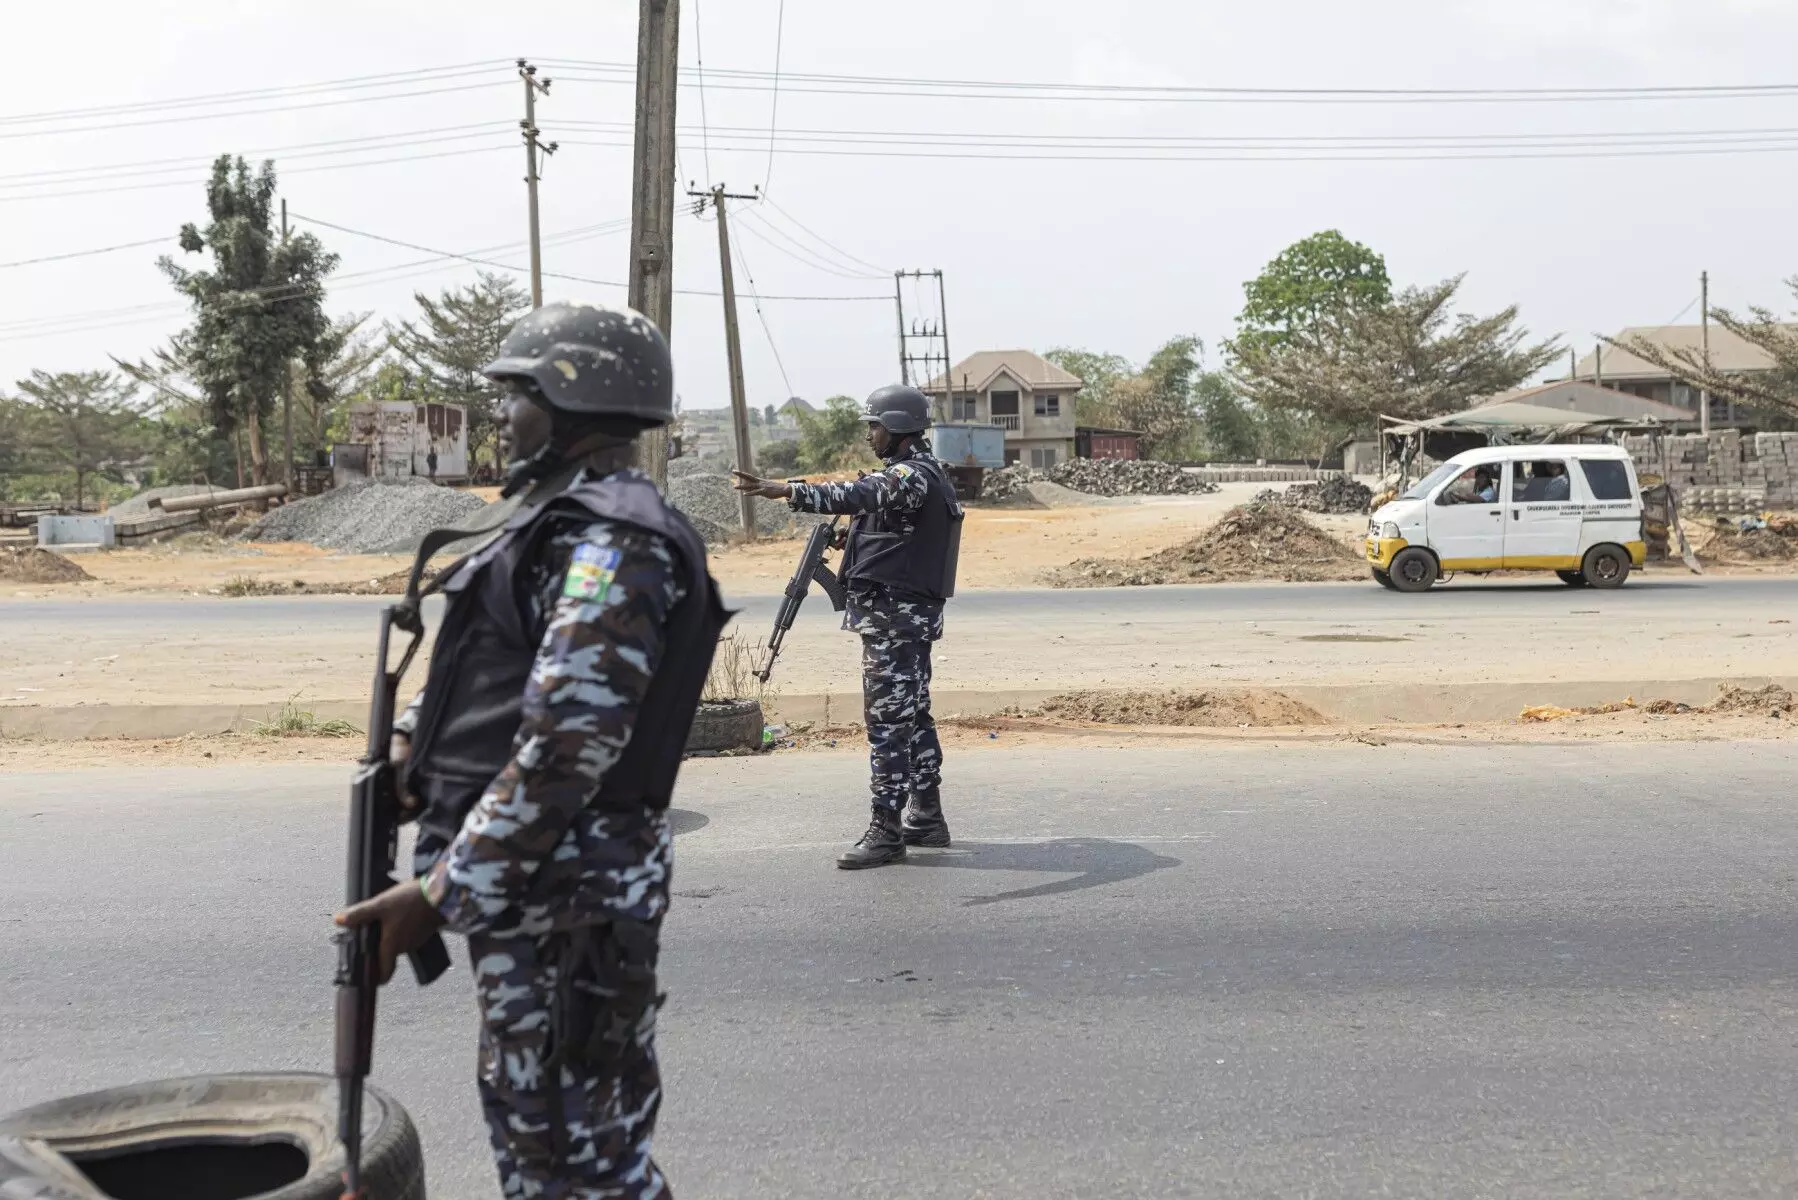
1028, 367
1728, 352
797, 404
1588, 399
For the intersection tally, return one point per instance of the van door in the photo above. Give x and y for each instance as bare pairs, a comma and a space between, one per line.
1543, 516
1466, 520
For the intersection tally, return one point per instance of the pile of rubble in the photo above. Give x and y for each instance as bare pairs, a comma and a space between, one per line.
35, 565
1772, 537
1128, 477
1225, 708
368, 517
1096, 477
1337, 494
1252, 541
710, 503
1770, 700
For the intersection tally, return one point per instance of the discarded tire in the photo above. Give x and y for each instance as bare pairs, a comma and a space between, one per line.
210, 1137
726, 725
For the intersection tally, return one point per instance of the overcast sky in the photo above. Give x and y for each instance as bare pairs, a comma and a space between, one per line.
1037, 251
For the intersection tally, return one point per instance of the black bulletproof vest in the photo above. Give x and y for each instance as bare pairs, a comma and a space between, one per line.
482, 659
910, 551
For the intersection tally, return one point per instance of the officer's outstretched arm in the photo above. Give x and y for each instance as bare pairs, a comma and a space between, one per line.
899, 485
603, 644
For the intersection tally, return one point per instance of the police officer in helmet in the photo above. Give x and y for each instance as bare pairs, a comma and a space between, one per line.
542, 752
899, 567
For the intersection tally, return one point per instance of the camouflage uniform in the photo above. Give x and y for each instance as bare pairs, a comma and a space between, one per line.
538, 865
896, 630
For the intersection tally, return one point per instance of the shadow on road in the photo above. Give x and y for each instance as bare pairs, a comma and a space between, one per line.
1094, 862
685, 820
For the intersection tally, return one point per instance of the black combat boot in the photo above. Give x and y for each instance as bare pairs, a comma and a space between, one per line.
923, 823
879, 846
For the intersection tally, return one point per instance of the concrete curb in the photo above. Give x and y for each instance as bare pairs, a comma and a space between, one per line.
1344, 704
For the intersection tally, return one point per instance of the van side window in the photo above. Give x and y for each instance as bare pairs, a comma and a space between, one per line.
1607, 477
1539, 482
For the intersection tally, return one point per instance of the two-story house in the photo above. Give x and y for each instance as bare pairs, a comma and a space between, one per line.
1021, 392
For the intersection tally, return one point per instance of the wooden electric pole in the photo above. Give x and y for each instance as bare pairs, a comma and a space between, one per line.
534, 153
652, 193
287, 392
733, 349
1704, 318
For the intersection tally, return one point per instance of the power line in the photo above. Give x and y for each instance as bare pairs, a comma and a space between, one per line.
197, 181
837, 84
819, 238
50, 258
756, 301
699, 53
780, 24
801, 253
352, 83
248, 112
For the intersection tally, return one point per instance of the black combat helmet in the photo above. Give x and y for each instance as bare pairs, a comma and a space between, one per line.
591, 360
900, 408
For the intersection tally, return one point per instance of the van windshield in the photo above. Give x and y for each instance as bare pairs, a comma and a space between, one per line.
1423, 487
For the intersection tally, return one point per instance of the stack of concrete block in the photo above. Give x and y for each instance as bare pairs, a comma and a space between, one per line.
1723, 472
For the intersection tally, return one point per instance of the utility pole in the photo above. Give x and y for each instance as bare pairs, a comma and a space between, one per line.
899, 304
534, 154
1704, 318
733, 348
925, 342
287, 392
652, 193
1572, 363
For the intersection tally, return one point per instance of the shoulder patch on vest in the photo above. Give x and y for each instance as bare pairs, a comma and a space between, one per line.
904, 470
590, 571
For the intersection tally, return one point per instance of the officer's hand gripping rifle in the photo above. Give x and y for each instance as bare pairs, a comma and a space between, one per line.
374, 844
811, 570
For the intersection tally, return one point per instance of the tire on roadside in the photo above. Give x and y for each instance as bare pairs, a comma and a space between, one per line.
272, 1136
1572, 578
1606, 566
1414, 569
1383, 579
722, 725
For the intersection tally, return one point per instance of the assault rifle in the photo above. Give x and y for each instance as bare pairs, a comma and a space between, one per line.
374, 844
811, 570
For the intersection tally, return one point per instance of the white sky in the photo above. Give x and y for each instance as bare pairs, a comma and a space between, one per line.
1111, 256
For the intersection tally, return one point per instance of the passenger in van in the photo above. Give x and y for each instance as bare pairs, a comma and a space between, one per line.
1485, 487
1555, 486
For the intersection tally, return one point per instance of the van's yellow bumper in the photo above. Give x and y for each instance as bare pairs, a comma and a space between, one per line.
1380, 551
1638, 552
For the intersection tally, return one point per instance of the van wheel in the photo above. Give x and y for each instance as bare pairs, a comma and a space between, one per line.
1606, 566
1414, 570
1384, 580
1572, 578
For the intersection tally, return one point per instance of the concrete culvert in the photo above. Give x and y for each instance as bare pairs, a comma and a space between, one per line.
209, 1137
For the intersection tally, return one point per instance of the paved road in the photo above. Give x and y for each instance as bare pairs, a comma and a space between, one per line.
1719, 597
1520, 972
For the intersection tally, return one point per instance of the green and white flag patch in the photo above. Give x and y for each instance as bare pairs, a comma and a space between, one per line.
591, 571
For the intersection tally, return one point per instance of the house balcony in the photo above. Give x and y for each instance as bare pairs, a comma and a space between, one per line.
1007, 422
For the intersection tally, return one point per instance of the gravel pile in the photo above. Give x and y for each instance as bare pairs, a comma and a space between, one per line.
1009, 483
711, 504
1128, 477
1338, 494
37, 565
139, 505
700, 464
368, 517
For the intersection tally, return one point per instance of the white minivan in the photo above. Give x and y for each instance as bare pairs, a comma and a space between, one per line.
1575, 510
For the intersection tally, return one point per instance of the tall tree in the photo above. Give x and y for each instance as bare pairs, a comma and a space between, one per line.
1310, 285
1411, 358
831, 438
1772, 391
338, 366
1227, 424
16, 437
84, 423
1099, 375
260, 305
456, 335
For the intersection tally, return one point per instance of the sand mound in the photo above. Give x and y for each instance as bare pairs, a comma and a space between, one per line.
1770, 700
1252, 541
37, 565
1206, 709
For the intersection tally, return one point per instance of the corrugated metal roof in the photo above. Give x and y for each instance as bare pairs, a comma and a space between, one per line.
1728, 352
1030, 369
1578, 396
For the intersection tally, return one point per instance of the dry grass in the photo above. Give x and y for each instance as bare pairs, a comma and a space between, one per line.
733, 673
294, 721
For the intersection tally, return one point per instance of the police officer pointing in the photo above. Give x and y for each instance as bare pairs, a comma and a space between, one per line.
542, 752
899, 567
